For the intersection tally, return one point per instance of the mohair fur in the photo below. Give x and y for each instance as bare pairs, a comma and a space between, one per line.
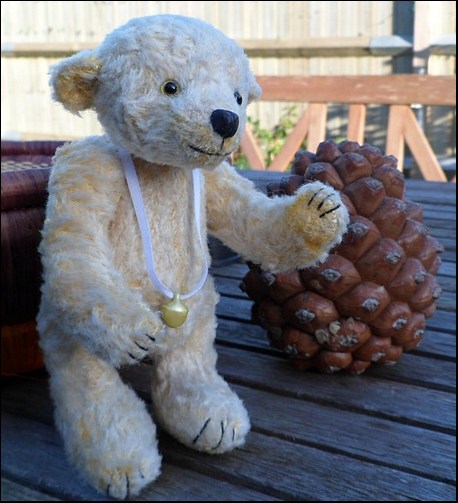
99, 308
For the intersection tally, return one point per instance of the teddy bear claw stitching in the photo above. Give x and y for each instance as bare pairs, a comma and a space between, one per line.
330, 196
125, 487
196, 438
221, 437
330, 211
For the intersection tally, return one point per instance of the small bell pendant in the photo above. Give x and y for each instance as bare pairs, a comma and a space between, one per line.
175, 312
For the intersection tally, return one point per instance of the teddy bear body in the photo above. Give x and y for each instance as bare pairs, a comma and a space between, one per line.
171, 91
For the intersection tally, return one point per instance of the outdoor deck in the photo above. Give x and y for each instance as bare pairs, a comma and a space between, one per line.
388, 434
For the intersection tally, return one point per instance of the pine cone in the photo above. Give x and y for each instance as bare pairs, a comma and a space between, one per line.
368, 302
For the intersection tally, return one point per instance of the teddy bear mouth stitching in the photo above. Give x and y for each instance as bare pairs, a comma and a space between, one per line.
197, 149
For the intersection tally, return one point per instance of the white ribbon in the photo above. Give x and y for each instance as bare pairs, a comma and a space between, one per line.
140, 211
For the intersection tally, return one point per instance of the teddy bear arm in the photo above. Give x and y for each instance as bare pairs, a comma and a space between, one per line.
91, 299
86, 291
278, 233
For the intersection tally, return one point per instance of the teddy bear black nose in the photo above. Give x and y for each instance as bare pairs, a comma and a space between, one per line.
224, 123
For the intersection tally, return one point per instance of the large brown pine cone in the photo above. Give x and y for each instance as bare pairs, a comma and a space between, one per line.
368, 302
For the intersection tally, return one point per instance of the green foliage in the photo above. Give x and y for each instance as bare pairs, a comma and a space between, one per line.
270, 141
240, 161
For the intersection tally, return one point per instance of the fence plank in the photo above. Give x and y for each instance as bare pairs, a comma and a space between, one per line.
421, 150
252, 151
395, 133
356, 123
317, 125
292, 144
388, 45
382, 90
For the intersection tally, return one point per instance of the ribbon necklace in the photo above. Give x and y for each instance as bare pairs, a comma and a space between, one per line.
174, 313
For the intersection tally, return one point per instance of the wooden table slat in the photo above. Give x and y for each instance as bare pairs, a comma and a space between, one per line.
13, 491
388, 399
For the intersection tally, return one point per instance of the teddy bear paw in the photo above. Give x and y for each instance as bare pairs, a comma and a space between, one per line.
133, 335
319, 215
208, 418
220, 433
136, 344
128, 480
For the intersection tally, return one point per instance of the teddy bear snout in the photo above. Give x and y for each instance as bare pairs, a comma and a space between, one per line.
224, 122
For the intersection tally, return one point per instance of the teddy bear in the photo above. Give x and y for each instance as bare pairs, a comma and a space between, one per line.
124, 250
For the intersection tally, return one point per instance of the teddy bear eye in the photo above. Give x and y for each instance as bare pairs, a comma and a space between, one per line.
169, 87
238, 97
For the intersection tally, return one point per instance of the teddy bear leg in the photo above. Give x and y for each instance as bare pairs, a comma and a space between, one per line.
107, 431
192, 402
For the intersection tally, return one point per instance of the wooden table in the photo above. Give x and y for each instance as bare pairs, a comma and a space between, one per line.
388, 434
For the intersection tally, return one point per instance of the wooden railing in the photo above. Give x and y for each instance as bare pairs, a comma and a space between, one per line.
399, 92
322, 47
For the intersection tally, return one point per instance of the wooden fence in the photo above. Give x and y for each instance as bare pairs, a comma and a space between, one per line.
281, 38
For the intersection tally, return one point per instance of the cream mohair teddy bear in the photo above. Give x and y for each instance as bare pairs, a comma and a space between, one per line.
172, 92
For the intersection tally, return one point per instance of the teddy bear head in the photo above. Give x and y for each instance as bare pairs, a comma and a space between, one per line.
172, 90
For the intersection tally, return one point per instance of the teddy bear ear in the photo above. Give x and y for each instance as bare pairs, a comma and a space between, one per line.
74, 81
255, 91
